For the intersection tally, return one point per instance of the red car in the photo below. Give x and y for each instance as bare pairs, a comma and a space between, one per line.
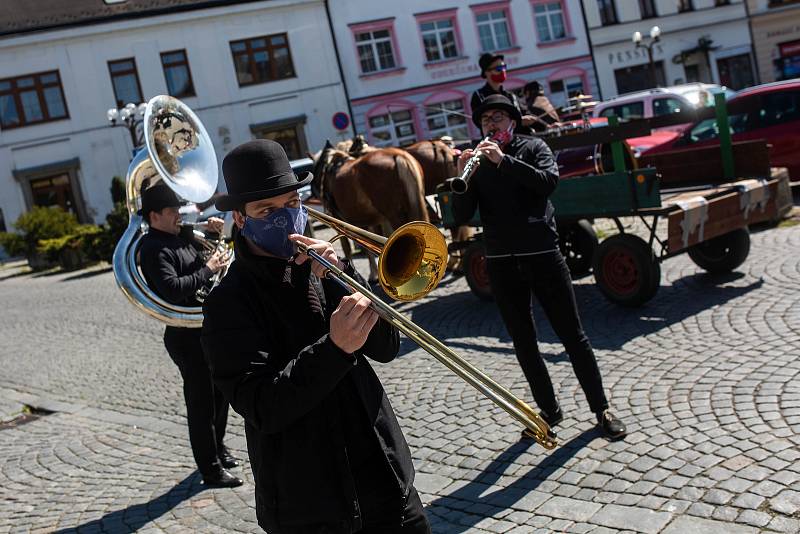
770, 112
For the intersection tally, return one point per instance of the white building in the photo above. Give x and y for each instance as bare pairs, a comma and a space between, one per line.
701, 40
411, 67
775, 26
247, 68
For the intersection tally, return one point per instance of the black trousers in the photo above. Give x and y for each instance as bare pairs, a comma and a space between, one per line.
206, 408
380, 520
514, 282
414, 520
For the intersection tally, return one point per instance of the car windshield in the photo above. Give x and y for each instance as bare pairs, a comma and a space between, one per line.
708, 129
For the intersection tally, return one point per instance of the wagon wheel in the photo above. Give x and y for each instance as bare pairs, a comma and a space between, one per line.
578, 243
722, 254
474, 265
626, 270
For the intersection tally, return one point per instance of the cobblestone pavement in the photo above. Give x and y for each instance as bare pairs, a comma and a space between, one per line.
705, 375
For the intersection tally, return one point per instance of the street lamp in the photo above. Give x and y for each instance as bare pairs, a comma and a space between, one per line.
655, 36
131, 117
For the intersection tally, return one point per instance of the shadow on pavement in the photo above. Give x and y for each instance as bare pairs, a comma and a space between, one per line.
134, 517
88, 274
477, 503
461, 315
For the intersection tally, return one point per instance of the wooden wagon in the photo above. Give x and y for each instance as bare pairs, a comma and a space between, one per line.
709, 222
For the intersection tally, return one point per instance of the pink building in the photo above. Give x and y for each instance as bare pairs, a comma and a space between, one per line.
410, 70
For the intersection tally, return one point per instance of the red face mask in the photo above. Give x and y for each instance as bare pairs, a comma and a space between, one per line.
498, 77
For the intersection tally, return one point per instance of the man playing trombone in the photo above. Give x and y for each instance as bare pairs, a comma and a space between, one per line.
289, 350
512, 183
175, 270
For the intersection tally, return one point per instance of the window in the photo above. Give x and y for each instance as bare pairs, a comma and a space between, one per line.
608, 12
439, 39
493, 30
375, 51
708, 129
647, 9
53, 191
549, 21
31, 99
562, 90
631, 110
665, 106
262, 59
718, 3
447, 118
685, 5
290, 134
393, 129
779, 108
177, 74
736, 72
639, 77
125, 81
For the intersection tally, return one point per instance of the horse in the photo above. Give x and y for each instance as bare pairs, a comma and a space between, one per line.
382, 188
437, 158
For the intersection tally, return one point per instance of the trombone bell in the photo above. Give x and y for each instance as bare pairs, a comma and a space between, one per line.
413, 261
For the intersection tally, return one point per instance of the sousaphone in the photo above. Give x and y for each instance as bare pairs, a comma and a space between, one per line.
177, 151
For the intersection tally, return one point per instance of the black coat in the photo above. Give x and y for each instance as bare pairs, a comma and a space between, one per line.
516, 214
313, 414
174, 270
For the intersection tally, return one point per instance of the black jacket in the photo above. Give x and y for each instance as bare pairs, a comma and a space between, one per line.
481, 94
173, 269
319, 425
515, 211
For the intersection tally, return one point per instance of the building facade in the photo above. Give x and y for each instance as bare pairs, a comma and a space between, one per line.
701, 41
248, 69
411, 67
775, 25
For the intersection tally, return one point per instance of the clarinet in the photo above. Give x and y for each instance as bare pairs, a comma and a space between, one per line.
460, 184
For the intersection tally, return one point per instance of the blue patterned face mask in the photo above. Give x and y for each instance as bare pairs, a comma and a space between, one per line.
271, 234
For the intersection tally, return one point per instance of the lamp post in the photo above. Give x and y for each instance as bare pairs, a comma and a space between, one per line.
655, 36
131, 117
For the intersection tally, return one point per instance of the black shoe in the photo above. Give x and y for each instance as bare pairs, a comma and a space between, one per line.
612, 427
554, 419
222, 479
227, 459
551, 421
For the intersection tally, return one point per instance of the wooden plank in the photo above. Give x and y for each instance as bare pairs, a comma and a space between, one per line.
709, 214
685, 166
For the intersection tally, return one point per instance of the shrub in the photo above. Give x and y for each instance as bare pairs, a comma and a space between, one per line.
13, 243
81, 242
44, 223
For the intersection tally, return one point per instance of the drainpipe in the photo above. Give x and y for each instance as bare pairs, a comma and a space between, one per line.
752, 41
591, 51
341, 70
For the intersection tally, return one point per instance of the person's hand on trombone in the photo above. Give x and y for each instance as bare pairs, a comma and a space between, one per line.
323, 248
351, 322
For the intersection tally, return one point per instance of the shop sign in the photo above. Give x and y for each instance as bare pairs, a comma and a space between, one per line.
628, 56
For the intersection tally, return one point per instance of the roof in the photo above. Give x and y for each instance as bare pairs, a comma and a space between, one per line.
767, 87
22, 16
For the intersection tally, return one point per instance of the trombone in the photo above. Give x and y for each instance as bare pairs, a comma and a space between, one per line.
411, 262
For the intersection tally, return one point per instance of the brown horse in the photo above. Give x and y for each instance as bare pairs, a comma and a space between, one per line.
437, 159
382, 189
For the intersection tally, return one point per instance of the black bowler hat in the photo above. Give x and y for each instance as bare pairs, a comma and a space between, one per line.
487, 59
257, 170
496, 102
158, 197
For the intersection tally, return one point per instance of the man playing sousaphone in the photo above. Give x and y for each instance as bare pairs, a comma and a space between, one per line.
175, 270
514, 178
289, 349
